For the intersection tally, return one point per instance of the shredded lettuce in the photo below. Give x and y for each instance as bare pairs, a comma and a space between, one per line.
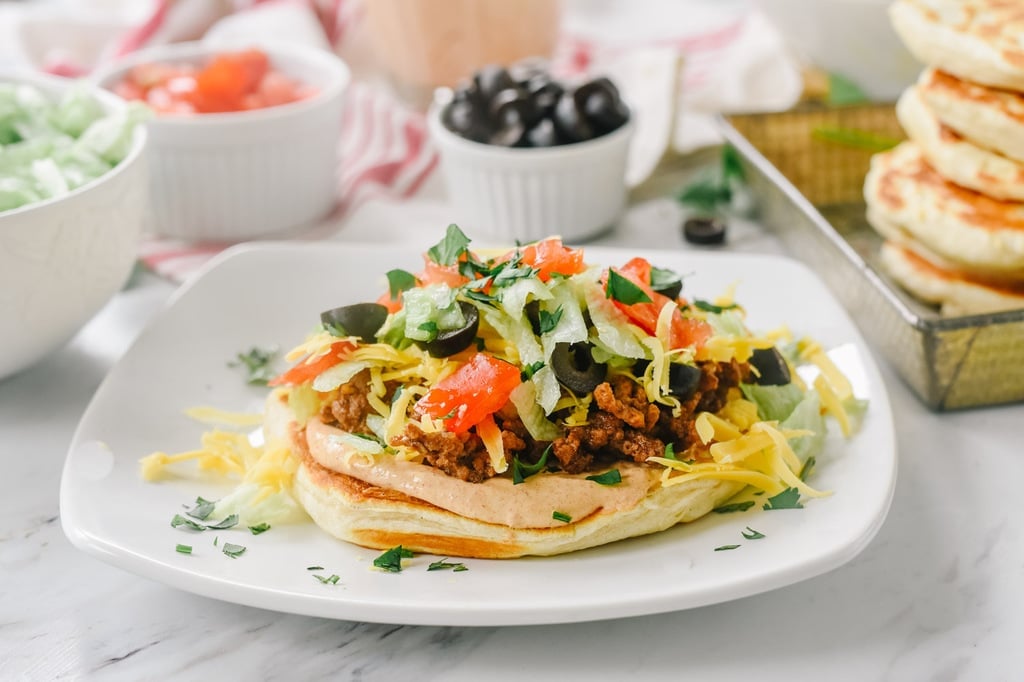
254, 506
727, 323
430, 309
774, 403
806, 415
524, 397
613, 329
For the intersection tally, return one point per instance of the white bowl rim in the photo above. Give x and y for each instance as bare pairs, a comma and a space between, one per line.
340, 77
112, 103
454, 140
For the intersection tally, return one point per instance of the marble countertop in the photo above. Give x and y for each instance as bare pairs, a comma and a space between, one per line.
934, 596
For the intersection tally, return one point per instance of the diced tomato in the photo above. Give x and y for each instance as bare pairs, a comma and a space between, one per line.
683, 332
550, 256
393, 305
307, 371
256, 66
224, 79
441, 274
476, 390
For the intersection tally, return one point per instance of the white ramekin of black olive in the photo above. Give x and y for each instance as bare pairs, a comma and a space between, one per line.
525, 156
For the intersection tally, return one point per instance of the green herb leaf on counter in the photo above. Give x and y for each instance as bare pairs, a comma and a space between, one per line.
732, 165
726, 548
330, 580
807, 468
256, 362
444, 564
259, 528
854, 138
314, 568
391, 560
607, 478
734, 507
708, 193
216, 539
624, 291
202, 509
232, 550
399, 281
787, 499
521, 472
549, 321
843, 91
448, 250
561, 516
183, 549
751, 534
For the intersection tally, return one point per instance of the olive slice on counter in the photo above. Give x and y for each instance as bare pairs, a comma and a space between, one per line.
683, 380
359, 319
451, 341
772, 368
704, 230
574, 367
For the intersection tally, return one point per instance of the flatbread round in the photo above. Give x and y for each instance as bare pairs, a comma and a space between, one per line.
976, 40
990, 118
968, 229
955, 158
956, 293
380, 518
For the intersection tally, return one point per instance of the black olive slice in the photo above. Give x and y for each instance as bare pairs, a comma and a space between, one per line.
542, 135
492, 79
359, 319
574, 367
704, 230
568, 121
772, 368
683, 380
532, 310
451, 341
600, 103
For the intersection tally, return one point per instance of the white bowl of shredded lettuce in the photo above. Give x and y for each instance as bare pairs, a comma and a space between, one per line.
72, 195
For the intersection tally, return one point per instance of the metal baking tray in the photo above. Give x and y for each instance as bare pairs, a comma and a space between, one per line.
814, 204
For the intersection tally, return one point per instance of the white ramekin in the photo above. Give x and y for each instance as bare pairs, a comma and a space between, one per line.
504, 194
63, 258
242, 175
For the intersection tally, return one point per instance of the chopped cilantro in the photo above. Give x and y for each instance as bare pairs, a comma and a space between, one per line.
561, 516
711, 307
508, 275
624, 291
183, 549
226, 522
670, 452
751, 534
529, 370
430, 327
330, 580
787, 499
726, 548
216, 539
391, 560
521, 472
259, 528
448, 250
232, 550
256, 362
445, 564
549, 321
180, 520
399, 281
734, 507
202, 509
610, 477
662, 278
807, 468
335, 329
711, 191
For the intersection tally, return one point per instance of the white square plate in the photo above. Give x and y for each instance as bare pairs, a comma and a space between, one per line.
271, 295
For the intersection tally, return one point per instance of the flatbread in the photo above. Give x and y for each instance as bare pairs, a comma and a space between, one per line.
976, 40
990, 118
954, 157
379, 518
966, 228
955, 293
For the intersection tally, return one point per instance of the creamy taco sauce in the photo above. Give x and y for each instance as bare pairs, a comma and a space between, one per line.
527, 505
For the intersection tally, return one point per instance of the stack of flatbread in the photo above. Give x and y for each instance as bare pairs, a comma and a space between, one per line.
950, 201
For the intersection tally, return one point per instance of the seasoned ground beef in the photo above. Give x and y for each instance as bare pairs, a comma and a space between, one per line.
621, 425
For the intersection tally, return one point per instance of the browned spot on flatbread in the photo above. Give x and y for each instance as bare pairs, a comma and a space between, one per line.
930, 269
439, 544
972, 208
